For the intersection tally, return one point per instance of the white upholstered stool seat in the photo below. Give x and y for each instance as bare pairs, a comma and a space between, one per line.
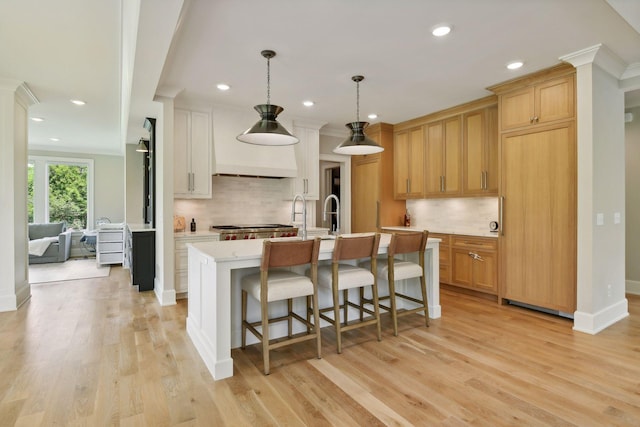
350, 276
282, 284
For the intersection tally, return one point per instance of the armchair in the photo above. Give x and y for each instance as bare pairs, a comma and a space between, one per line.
60, 247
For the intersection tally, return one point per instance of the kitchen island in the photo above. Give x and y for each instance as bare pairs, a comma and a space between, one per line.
215, 271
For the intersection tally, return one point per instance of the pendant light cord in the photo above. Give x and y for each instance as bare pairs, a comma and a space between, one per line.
358, 101
268, 81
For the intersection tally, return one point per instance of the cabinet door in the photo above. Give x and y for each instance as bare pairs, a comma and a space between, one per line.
461, 267
401, 153
538, 243
554, 100
452, 156
517, 108
473, 148
365, 194
200, 154
181, 153
416, 162
307, 153
434, 154
485, 272
491, 145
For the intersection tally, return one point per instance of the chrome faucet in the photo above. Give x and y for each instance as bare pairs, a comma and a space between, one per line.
336, 212
304, 213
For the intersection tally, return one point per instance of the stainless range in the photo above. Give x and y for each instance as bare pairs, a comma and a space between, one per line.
254, 231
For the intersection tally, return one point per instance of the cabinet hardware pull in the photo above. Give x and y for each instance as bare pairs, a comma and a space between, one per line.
377, 213
536, 119
531, 119
476, 257
501, 216
408, 186
482, 181
441, 184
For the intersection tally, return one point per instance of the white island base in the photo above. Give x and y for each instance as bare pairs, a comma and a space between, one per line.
215, 270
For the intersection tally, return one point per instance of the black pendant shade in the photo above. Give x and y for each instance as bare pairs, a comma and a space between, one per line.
358, 142
268, 131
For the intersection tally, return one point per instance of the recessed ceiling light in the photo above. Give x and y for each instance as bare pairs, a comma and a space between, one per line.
441, 30
223, 86
308, 103
55, 139
372, 116
37, 119
78, 102
515, 65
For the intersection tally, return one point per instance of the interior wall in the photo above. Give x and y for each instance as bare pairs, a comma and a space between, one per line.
109, 176
134, 181
632, 208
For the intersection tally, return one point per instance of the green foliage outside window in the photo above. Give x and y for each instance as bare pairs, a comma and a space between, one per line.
67, 195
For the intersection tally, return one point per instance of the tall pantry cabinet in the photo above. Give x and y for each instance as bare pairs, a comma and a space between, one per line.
538, 189
372, 203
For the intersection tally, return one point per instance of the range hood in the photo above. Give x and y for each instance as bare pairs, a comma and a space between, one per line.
232, 157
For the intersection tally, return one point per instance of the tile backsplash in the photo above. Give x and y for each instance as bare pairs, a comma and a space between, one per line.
457, 215
239, 200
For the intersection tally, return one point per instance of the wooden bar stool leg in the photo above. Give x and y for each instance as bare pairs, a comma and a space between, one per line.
336, 313
423, 284
392, 300
316, 323
290, 320
345, 300
244, 319
265, 336
376, 309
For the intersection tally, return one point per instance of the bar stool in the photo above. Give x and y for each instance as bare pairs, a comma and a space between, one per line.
340, 276
398, 269
275, 283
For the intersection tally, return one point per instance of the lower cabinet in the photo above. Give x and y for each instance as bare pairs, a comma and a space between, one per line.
469, 262
110, 244
474, 263
141, 258
181, 278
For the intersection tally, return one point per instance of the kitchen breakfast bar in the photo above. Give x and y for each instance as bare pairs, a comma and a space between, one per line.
215, 271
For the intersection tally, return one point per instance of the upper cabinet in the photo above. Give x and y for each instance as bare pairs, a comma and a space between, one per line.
408, 151
307, 159
480, 152
192, 154
450, 153
443, 157
545, 102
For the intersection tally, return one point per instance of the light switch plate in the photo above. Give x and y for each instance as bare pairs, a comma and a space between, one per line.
600, 219
616, 217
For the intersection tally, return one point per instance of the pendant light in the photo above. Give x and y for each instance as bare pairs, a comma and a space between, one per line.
142, 147
358, 143
267, 131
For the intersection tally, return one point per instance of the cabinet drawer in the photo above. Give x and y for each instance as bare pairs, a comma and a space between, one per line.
110, 258
110, 246
488, 244
110, 236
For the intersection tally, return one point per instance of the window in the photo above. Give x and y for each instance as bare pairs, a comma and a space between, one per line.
60, 190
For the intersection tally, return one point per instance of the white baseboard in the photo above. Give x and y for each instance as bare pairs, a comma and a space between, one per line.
632, 287
11, 302
592, 323
164, 296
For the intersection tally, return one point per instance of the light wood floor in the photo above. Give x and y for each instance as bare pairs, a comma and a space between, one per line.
96, 352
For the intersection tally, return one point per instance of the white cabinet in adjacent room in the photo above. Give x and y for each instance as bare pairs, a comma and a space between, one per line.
307, 159
110, 244
192, 154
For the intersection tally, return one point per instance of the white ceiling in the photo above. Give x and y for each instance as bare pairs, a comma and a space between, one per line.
72, 49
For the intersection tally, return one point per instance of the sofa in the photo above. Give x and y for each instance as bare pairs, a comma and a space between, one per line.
55, 237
